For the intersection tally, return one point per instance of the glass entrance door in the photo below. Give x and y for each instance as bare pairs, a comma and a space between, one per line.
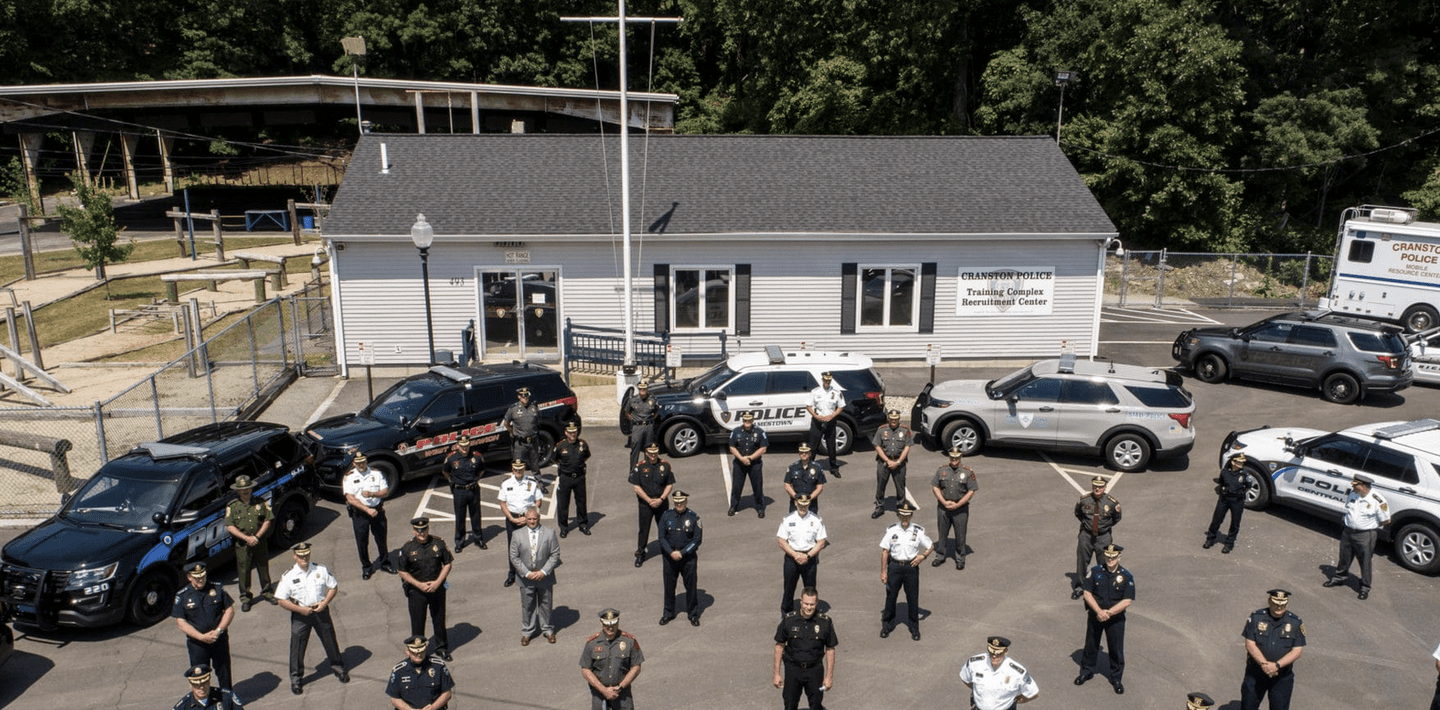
521, 323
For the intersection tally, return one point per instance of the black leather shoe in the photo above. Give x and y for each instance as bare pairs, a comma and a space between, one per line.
509, 581
1227, 549
835, 469
639, 560
387, 568
885, 632
481, 542
295, 687
666, 619
459, 545
1076, 593
343, 675
1208, 544
878, 512
960, 562
915, 634
563, 533
1333, 582
694, 621
1119, 688
1080, 679
730, 512
1364, 594
584, 529
939, 560
245, 605
444, 654
760, 513
365, 575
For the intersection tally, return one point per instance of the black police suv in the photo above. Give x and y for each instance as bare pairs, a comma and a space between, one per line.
409, 428
117, 548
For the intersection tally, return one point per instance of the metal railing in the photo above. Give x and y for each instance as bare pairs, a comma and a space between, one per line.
1179, 279
590, 349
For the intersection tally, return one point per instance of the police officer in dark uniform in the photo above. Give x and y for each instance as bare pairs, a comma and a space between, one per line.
747, 445
463, 468
248, 521
203, 696
805, 645
522, 420
1109, 591
203, 611
1274, 639
420, 681
680, 538
954, 485
1097, 513
805, 477
640, 411
1230, 497
652, 481
892, 450
609, 663
424, 564
570, 457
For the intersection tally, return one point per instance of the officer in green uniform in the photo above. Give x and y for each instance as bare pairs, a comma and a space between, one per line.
249, 522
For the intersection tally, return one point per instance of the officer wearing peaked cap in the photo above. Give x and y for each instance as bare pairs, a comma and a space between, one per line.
609, 663
1365, 513
996, 681
680, 538
805, 476
1097, 513
1230, 489
954, 486
748, 444
570, 456
203, 696
420, 681
652, 480
203, 611
903, 547
425, 564
306, 591
463, 469
641, 412
1198, 701
1109, 591
1274, 640
522, 421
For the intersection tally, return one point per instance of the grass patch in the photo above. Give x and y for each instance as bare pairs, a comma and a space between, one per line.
13, 267
89, 312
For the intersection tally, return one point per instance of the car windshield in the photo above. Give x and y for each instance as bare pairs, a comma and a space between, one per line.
403, 401
121, 502
1010, 381
710, 379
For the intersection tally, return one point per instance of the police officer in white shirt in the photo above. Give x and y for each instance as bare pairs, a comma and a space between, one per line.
1365, 513
802, 536
996, 681
365, 492
518, 492
826, 401
902, 549
307, 590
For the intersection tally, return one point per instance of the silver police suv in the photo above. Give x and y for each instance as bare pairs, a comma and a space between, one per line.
1311, 470
1127, 413
1347, 358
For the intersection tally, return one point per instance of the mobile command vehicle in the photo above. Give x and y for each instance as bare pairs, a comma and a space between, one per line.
116, 550
1387, 267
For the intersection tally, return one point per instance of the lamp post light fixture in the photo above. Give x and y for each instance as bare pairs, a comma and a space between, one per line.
1062, 78
424, 235
355, 47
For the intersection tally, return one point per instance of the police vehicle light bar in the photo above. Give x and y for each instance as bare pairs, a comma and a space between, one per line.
1067, 364
160, 451
450, 373
1406, 428
1391, 216
775, 354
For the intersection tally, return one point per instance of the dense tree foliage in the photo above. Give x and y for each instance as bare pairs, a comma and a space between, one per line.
1199, 124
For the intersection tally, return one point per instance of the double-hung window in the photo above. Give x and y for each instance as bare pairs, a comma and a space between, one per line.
889, 297
703, 297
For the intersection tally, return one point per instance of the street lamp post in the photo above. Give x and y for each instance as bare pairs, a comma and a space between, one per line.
355, 47
1062, 78
424, 235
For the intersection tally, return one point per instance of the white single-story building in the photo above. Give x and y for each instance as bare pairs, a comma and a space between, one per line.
981, 247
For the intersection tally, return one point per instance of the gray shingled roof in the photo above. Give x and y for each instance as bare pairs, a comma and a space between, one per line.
539, 184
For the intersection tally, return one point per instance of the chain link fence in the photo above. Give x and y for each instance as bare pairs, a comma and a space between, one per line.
1177, 279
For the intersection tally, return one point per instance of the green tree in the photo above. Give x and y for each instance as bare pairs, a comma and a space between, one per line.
92, 227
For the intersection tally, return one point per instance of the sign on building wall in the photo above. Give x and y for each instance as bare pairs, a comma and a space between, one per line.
1005, 291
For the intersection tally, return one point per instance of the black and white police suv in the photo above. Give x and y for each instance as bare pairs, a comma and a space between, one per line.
775, 386
1311, 470
410, 428
117, 548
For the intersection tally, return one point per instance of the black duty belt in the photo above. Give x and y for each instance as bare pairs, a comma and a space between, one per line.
465, 486
575, 474
803, 666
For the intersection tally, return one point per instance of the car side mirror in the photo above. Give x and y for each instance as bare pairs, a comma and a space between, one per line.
185, 517
424, 423
720, 396
160, 519
1013, 398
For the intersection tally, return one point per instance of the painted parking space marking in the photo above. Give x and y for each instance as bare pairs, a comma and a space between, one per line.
1175, 316
438, 505
1073, 476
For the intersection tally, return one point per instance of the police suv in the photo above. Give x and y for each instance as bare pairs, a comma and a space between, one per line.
1311, 470
410, 428
116, 549
775, 386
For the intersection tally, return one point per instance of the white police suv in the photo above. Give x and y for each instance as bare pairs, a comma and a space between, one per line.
1311, 470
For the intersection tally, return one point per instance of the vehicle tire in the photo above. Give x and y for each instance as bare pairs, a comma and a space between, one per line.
151, 599
1257, 492
1127, 452
1418, 318
683, 440
1340, 388
544, 449
962, 434
289, 523
1416, 545
1211, 368
844, 439
391, 474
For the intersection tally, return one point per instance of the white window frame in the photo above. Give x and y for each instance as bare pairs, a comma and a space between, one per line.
675, 294
913, 326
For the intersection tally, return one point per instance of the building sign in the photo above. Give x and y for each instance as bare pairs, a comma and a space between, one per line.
1005, 291
517, 257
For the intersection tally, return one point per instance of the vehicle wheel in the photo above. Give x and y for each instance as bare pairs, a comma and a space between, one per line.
1415, 545
289, 523
1341, 388
151, 598
964, 435
1257, 489
391, 474
683, 440
1128, 452
844, 439
544, 449
1418, 318
1211, 368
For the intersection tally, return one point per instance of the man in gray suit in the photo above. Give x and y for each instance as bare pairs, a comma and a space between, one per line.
534, 555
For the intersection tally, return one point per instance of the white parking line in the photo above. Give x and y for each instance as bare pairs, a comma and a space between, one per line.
439, 489
1178, 316
1069, 476
725, 477
324, 406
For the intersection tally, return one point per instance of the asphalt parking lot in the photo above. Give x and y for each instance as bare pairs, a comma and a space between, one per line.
1183, 631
